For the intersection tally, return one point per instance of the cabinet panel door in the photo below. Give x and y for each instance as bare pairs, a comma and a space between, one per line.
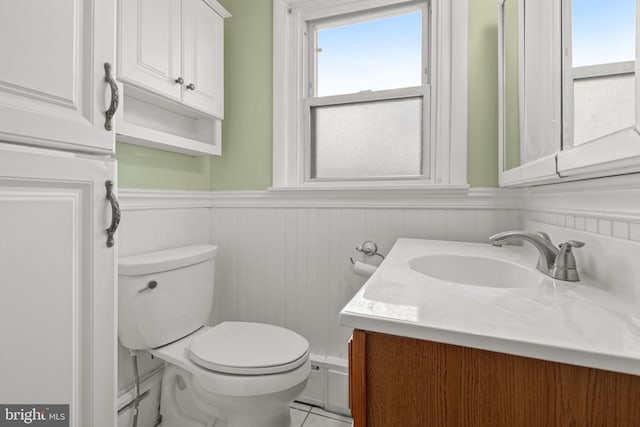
52, 79
149, 45
58, 284
203, 55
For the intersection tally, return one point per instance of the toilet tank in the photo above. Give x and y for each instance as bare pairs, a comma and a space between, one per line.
164, 296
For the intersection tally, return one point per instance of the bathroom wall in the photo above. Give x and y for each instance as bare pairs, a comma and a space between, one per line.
247, 142
287, 262
284, 256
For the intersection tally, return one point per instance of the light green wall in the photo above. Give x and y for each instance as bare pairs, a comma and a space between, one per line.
247, 129
248, 70
146, 168
483, 94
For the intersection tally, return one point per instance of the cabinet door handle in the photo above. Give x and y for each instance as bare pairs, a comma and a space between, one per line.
115, 97
191, 86
179, 80
115, 214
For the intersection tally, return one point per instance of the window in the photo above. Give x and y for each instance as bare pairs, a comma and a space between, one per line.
355, 85
366, 109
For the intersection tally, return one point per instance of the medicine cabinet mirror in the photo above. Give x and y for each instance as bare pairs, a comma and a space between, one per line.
569, 105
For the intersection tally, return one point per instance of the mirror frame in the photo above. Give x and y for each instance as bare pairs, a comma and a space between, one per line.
614, 154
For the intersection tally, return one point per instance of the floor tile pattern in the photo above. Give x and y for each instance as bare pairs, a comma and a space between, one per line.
303, 415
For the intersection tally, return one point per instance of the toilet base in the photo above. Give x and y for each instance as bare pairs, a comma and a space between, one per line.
185, 404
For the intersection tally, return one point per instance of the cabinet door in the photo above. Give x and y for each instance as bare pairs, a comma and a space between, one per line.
52, 79
57, 281
203, 56
149, 45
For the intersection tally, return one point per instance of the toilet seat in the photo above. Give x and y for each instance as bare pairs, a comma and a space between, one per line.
246, 348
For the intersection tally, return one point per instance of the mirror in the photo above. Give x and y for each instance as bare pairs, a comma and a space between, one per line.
530, 97
568, 98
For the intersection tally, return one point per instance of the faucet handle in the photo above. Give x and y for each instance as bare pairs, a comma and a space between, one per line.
565, 265
573, 244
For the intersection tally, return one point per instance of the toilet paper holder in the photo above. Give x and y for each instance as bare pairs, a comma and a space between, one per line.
369, 248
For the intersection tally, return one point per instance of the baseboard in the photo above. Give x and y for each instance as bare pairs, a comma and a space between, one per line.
148, 414
328, 385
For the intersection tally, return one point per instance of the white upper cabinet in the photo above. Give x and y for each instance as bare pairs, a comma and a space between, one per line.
150, 45
171, 66
52, 78
203, 53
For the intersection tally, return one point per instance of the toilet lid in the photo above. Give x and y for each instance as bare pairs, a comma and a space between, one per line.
244, 348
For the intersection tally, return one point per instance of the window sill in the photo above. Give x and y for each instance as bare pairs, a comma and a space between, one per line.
378, 187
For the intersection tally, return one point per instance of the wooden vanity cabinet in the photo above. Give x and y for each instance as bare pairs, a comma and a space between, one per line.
397, 381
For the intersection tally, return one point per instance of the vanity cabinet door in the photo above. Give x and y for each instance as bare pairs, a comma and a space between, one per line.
52, 79
57, 284
203, 56
149, 45
357, 378
415, 383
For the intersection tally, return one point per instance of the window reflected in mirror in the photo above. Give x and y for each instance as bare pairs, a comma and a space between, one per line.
599, 69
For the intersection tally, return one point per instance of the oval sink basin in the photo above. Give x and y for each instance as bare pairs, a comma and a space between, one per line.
476, 271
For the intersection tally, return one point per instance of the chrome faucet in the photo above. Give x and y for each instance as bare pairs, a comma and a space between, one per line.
557, 263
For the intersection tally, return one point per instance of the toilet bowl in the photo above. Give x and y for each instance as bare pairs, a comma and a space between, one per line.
228, 379
235, 374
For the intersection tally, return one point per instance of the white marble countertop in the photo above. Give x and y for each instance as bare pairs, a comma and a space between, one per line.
576, 323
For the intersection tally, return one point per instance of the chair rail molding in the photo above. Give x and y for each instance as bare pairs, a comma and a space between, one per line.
612, 198
445, 197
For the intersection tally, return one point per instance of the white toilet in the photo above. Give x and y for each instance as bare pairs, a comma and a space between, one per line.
236, 374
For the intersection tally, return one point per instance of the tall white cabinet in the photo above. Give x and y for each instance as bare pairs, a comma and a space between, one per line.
57, 281
53, 88
58, 97
60, 108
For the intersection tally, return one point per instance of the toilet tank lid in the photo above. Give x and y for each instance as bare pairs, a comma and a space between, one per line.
170, 259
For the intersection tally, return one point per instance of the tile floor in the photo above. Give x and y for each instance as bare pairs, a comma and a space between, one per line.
303, 415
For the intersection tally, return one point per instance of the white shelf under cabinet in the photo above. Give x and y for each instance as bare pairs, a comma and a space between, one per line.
138, 135
153, 121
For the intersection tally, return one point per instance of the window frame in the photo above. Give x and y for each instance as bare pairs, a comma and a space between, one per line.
444, 91
423, 91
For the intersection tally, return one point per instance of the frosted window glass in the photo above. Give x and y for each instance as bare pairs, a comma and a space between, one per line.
367, 139
373, 55
603, 105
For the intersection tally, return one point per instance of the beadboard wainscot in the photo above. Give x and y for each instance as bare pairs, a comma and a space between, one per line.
284, 256
605, 214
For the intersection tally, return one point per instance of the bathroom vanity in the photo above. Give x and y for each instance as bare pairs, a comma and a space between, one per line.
466, 350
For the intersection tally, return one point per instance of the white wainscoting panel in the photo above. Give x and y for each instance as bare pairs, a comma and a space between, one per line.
289, 266
156, 229
284, 255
